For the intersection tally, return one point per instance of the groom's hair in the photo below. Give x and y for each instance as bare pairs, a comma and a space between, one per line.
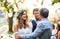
44, 12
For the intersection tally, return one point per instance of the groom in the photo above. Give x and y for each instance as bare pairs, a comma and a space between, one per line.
43, 29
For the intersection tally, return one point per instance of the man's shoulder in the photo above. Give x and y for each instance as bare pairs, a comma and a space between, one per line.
44, 23
41, 22
33, 20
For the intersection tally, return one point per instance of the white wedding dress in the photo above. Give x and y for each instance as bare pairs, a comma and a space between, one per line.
26, 30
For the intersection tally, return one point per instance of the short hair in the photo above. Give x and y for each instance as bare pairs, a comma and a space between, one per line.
35, 9
44, 12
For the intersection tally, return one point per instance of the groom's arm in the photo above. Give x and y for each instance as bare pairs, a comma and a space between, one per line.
39, 30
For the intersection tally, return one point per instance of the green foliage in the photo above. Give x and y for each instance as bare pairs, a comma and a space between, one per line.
55, 1
11, 8
16, 4
5, 4
8, 6
1, 0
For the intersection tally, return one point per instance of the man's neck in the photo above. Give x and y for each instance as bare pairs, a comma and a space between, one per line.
42, 18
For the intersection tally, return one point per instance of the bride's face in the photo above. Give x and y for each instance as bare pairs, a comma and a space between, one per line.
24, 16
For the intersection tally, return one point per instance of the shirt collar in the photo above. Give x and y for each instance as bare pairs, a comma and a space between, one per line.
43, 19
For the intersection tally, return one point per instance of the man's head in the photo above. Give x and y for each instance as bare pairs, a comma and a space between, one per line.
44, 13
36, 13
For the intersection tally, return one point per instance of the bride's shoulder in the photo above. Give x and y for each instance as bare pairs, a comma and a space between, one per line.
16, 25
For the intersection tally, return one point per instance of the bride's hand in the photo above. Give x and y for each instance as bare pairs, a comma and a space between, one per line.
17, 37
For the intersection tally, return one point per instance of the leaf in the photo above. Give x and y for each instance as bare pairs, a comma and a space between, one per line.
55, 1
5, 4
16, 4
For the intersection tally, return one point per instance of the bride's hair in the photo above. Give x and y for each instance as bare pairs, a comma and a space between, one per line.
20, 23
58, 24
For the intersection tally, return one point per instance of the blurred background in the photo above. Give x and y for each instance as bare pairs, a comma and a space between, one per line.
9, 9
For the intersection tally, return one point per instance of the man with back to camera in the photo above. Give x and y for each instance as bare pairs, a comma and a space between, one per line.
43, 29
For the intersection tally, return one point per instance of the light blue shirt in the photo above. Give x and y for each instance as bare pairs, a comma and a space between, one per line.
42, 31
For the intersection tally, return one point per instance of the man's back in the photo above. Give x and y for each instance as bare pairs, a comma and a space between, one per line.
47, 27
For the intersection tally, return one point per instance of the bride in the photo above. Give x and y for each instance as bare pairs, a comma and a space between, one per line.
23, 26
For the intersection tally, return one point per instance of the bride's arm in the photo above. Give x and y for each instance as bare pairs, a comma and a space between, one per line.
16, 32
30, 27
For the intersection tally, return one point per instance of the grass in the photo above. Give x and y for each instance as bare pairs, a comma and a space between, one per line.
1, 24
10, 32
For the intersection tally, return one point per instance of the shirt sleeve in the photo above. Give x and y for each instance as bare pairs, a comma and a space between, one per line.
38, 31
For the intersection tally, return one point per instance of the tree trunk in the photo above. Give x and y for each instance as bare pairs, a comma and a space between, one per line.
10, 23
